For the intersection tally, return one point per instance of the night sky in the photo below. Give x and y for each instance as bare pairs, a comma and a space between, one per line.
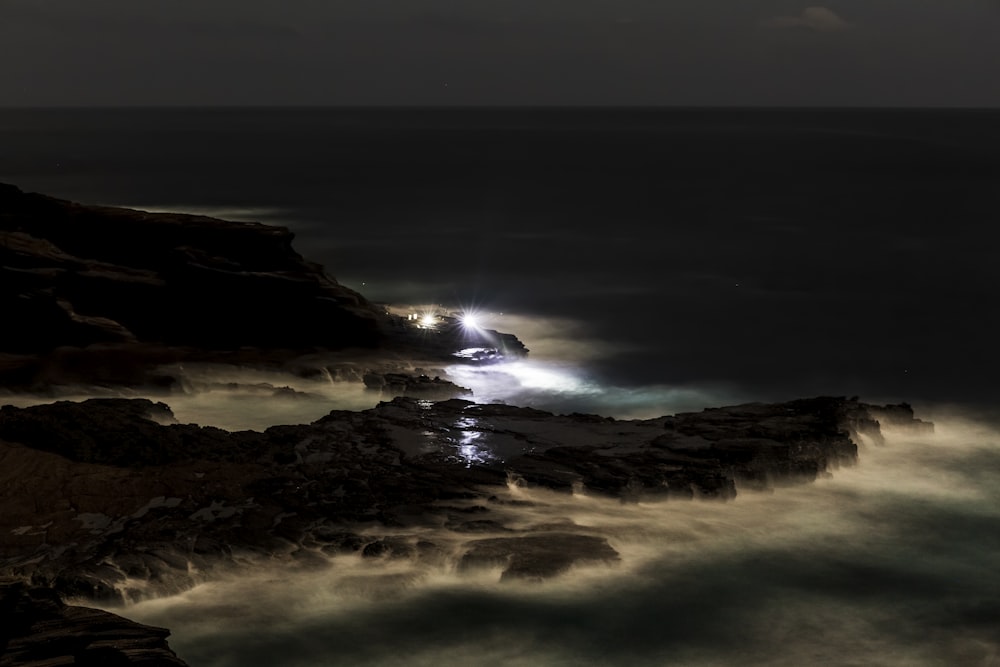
503, 52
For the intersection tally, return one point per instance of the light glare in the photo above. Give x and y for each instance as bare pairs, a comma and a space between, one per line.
469, 320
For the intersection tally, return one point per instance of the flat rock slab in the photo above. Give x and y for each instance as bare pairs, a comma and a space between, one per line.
537, 556
38, 630
104, 493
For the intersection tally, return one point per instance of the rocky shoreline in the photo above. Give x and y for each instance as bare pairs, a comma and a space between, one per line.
107, 296
112, 501
107, 500
39, 629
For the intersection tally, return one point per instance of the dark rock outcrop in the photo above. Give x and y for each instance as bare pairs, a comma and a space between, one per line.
536, 556
39, 629
392, 385
109, 275
102, 295
97, 494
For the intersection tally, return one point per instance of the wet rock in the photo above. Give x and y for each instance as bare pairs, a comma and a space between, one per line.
388, 548
98, 491
38, 629
479, 526
415, 386
339, 542
900, 417
537, 556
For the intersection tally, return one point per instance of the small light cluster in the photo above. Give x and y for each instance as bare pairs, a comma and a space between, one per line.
423, 320
468, 320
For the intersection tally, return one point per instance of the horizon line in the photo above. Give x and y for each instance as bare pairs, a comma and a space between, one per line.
493, 107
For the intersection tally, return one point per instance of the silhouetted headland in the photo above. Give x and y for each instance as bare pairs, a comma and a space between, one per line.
101, 295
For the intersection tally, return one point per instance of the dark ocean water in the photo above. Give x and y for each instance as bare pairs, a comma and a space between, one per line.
728, 253
652, 260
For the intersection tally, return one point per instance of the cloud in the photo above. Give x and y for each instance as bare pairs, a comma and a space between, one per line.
819, 19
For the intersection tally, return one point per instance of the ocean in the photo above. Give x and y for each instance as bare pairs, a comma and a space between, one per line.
654, 261
663, 259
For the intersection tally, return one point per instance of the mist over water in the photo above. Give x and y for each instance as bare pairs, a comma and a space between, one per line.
554, 377
557, 375
892, 562
653, 262
231, 398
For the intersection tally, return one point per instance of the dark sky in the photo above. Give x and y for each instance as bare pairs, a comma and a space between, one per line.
521, 52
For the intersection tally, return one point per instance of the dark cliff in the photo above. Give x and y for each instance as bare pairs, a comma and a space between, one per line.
78, 276
39, 629
102, 295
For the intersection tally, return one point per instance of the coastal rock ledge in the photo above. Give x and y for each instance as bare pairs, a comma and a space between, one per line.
107, 500
39, 630
113, 501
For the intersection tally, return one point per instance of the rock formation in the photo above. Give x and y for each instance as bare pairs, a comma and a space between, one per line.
101, 295
39, 629
106, 499
112, 500
391, 385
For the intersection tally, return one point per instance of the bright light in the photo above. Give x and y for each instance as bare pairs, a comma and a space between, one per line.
547, 377
469, 320
428, 320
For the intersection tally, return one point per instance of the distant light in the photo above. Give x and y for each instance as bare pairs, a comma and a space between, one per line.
469, 320
479, 354
428, 320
